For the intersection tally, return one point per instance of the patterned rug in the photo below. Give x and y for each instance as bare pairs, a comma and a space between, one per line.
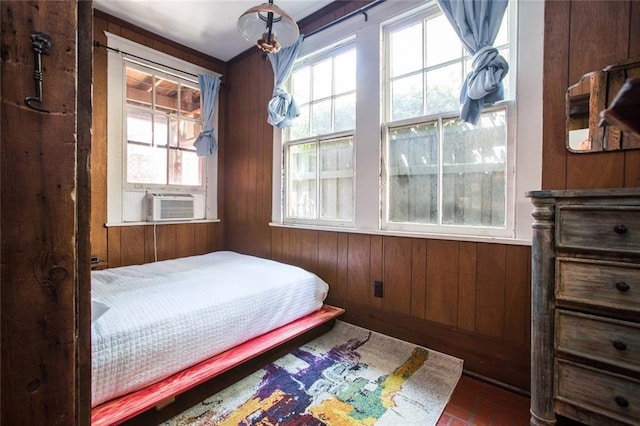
348, 376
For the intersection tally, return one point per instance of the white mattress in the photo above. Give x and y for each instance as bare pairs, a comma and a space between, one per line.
169, 315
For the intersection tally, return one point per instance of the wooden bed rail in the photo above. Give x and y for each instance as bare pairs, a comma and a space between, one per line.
128, 406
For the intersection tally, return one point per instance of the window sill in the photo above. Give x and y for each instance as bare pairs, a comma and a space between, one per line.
431, 236
164, 222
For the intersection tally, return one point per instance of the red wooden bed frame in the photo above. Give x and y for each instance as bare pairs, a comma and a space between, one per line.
130, 405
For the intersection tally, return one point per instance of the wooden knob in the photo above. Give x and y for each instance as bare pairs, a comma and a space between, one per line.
620, 229
619, 345
622, 286
621, 401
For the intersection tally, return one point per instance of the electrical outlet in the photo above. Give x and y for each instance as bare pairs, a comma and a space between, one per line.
377, 288
95, 260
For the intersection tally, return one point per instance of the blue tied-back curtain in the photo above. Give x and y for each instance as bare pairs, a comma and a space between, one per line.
206, 144
477, 23
282, 108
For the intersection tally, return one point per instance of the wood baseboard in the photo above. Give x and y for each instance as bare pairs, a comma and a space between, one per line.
497, 360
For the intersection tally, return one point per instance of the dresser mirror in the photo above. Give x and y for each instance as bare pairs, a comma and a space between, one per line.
594, 93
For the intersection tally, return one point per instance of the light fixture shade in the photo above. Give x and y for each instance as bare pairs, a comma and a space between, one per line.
253, 24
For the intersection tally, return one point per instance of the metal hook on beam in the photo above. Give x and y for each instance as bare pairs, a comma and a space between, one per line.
41, 44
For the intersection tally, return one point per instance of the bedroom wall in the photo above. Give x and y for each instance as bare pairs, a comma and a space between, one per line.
126, 245
584, 36
467, 299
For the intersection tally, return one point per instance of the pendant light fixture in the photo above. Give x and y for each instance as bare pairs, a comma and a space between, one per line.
269, 27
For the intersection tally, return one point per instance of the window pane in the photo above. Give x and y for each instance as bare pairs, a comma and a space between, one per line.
139, 88
301, 85
189, 102
406, 97
322, 79
406, 50
443, 44
336, 179
146, 164
300, 127
185, 168
321, 118
189, 131
166, 95
505, 81
412, 169
345, 72
160, 132
443, 89
139, 127
301, 194
345, 107
503, 33
474, 166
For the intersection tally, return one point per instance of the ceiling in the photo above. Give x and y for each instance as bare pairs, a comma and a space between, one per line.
208, 26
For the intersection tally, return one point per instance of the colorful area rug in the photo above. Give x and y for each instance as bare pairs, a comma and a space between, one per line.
349, 376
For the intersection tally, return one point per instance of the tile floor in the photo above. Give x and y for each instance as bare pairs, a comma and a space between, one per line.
480, 404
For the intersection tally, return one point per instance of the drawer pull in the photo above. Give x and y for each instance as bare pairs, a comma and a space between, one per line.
622, 286
619, 345
621, 401
620, 229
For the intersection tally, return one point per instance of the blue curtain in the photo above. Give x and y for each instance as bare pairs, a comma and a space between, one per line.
477, 23
206, 144
282, 108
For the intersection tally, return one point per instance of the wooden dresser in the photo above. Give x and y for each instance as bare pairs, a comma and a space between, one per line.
585, 316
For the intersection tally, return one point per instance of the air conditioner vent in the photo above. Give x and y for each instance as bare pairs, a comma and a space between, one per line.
169, 207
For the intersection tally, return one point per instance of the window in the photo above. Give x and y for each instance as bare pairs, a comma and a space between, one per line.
413, 166
442, 175
154, 118
163, 121
319, 147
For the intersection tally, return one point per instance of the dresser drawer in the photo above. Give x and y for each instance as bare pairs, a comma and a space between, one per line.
598, 283
595, 390
597, 338
599, 228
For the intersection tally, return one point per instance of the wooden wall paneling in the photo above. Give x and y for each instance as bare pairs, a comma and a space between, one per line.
376, 271
632, 158
328, 257
276, 243
39, 227
467, 262
591, 50
418, 277
490, 357
133, 244
185, 240
285, 245
98, 231
340, 290
555, 84
490, 289
114, 256
442, 288
308, 249
397, 274
517, 322
214, 236
201, 238
359, 256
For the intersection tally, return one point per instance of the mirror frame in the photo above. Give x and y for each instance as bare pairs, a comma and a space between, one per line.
586, 99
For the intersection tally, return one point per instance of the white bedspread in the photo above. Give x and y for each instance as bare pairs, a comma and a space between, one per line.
169, 315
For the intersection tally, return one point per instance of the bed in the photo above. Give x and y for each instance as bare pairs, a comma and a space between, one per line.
162, 328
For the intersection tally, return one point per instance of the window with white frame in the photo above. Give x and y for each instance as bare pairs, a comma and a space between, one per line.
319, 160
442, 174
154, 115
417, 169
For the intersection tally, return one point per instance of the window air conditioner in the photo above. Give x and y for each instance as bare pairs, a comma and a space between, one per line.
169, 207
